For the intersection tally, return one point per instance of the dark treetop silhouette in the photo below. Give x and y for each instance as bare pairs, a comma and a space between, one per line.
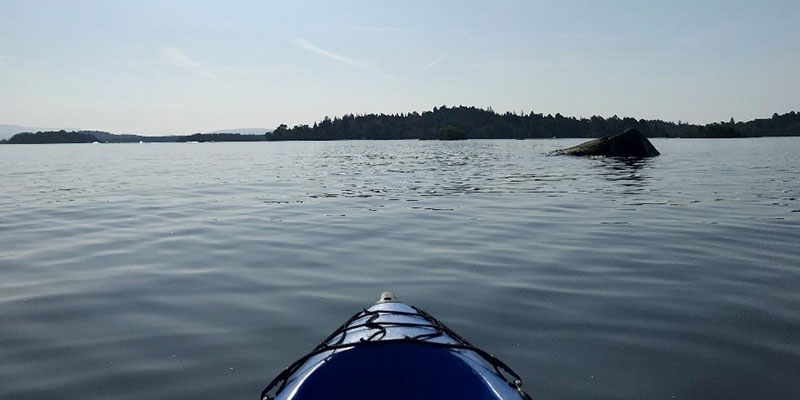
474, 123
477, 123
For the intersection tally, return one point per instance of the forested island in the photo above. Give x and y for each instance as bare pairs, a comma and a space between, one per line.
478, 123
51, 137
453, 123
106, 137
221, 137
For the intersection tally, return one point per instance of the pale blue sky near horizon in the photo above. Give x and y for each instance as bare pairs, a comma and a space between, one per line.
176, 67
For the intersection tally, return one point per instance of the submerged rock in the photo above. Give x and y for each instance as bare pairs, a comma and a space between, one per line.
630, 143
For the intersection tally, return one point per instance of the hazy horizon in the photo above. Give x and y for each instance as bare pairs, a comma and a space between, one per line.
184, 67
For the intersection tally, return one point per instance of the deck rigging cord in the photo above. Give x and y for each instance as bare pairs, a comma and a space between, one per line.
439, 329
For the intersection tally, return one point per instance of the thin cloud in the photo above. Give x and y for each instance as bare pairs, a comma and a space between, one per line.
177, 59
305, 44
364, 28
432, 63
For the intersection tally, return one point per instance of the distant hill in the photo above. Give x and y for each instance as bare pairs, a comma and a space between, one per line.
51, 137
106, 137
6, 131
197, 137
244, 131
63, 136
222, 137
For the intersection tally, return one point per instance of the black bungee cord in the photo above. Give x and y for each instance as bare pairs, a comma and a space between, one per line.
501, 368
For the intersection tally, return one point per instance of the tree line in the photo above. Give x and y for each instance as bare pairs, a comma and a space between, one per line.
450, 123
105, 137
477, 123
50, 137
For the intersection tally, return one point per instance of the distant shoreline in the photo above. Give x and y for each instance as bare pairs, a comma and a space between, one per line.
470, 122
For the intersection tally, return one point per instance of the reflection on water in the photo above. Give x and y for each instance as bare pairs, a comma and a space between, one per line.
631, 173
200, 271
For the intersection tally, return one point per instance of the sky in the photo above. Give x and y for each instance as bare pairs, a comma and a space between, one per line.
177, 67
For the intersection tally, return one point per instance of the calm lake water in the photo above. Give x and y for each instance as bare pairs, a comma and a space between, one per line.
140, 271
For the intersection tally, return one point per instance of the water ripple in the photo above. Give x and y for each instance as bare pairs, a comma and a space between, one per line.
175, 271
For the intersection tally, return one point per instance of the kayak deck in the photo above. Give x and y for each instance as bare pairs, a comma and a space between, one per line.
398, 371
395, 351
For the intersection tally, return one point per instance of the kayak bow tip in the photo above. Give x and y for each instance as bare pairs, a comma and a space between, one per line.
387, 297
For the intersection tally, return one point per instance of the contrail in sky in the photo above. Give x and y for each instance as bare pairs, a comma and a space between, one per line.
305, 44
435, 61
178, 59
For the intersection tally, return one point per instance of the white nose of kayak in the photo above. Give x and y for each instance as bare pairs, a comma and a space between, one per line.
387, 297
